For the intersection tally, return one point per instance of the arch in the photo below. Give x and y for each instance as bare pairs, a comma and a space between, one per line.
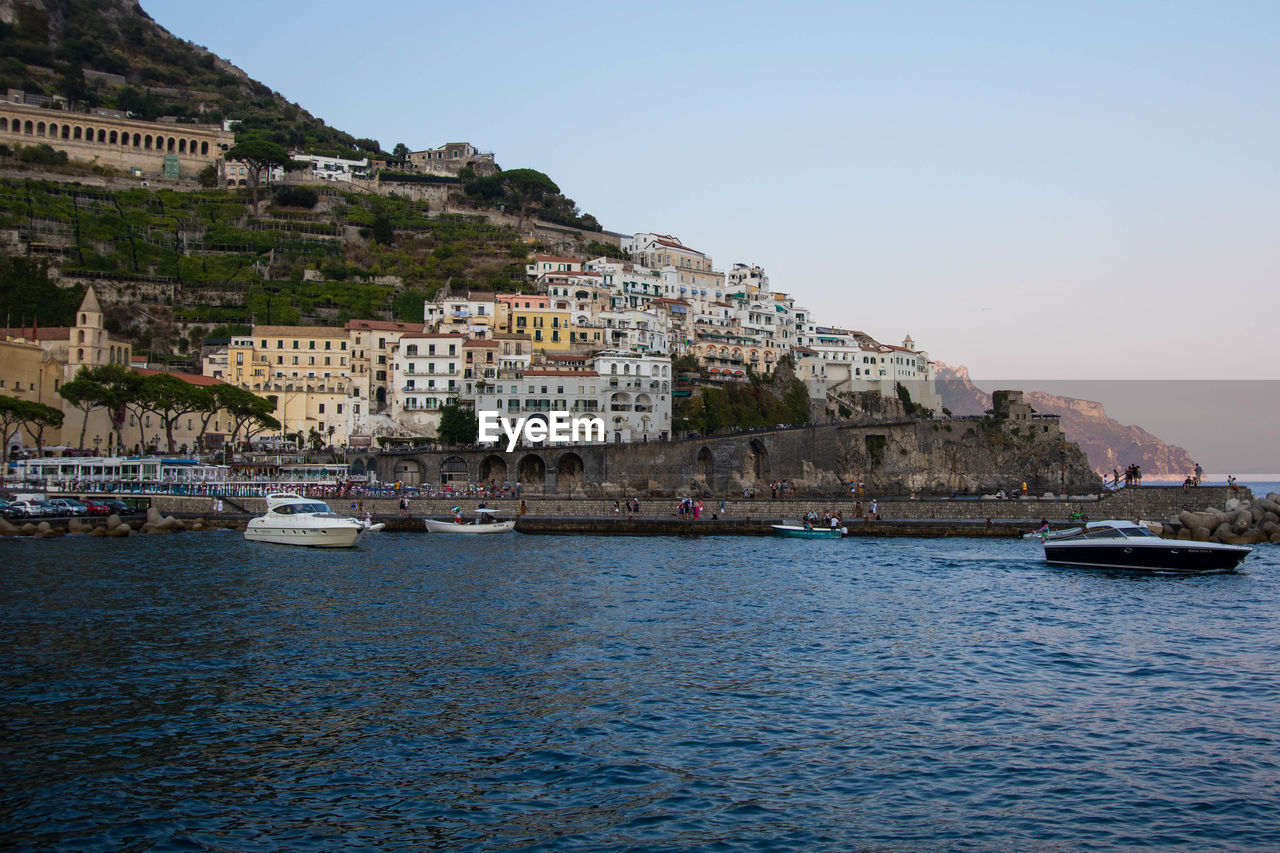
531, 472
494, 468
204, 148
137, 140
170, 144
381, 396
454, 469
4, 124
706, 464
619, 402
407, 471
78, 133
66, 131
356, 466
182, 146
756, 465
102, 136
39, 128
146, 142
79, 355
28, 128
569, 468
644, 403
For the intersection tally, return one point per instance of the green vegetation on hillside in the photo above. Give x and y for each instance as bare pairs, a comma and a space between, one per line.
225, 268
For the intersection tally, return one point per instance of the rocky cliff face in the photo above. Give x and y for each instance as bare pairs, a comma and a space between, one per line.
1109, 444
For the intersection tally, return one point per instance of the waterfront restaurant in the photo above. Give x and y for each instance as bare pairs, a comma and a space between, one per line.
114, 473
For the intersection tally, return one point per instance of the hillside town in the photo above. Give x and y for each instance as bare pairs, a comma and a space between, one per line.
603, 335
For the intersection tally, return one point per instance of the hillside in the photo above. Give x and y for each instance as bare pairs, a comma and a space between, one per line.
111, 54
174, 266
1108, 443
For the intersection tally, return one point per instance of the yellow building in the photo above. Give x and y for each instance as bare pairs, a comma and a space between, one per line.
305, 369
547, 328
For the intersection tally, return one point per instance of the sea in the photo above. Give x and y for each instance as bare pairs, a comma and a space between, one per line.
196, 692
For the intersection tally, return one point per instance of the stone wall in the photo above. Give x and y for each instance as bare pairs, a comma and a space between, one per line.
892, 458
1151, 503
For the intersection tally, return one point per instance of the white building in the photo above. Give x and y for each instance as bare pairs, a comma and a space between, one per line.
428, 371
638, 389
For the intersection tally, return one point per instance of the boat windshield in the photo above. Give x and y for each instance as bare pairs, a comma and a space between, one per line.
301, 508
1138, 532
1104, 533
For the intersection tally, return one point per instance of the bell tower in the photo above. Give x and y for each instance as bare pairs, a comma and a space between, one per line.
88, 345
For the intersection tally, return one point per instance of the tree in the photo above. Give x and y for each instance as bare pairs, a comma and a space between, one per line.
10, 411
170, 398
526, 188
383, 233
107, 386
457, 425
208, 176
36, 417
401, 151
258, 155
83, 395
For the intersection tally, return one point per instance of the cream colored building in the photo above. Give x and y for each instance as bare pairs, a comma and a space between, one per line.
152, 148
306, 369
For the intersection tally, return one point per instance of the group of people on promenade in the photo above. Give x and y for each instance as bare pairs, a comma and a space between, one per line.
1193, 479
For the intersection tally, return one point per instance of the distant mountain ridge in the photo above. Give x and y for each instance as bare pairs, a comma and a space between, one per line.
1109, 444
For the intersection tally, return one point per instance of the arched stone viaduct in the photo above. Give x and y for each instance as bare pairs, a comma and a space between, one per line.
721, 465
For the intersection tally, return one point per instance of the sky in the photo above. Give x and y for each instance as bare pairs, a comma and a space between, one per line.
1039, 191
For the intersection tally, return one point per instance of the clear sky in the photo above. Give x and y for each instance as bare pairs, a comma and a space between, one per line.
1036, 190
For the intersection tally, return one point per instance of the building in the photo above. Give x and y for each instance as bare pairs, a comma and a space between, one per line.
451, 158
305, 369
428, 372
160, 149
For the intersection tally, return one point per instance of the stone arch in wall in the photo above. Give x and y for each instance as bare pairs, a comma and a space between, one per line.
494, 468
706, 464
454, 471
569, 471
757, 462
356, 468
531, 473
407, 471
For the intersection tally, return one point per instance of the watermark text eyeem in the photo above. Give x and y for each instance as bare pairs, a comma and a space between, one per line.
552, 428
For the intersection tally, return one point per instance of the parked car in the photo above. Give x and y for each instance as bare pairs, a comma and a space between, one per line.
70, 505
95, 507
30, 509
118, 507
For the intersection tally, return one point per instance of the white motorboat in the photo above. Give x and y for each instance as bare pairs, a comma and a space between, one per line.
294, 520
1126, 545
486, 521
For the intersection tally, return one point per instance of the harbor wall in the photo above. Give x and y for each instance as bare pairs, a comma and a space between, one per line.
1151, 503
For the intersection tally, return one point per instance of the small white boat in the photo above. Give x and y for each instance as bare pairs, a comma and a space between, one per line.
485, 522
797, 531
294, 520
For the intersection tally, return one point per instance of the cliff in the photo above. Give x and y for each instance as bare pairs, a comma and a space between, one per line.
1109, 444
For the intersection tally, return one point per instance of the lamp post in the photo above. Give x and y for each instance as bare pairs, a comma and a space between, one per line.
97, 441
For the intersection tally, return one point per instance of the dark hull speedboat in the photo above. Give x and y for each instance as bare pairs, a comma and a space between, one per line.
1132, 547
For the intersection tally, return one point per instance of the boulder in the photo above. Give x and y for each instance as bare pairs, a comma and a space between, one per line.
75, 525
1219, 533
1184, 535
7, 529
120, 530
1200, 534
27, 529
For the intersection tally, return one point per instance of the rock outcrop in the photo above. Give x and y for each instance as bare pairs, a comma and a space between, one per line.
1109, 444
1239, 522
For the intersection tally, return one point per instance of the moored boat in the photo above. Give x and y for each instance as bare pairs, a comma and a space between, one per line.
486, 521
796, 531
294, 520
1130, 546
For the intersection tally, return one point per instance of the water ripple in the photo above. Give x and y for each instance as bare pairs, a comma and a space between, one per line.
553, 693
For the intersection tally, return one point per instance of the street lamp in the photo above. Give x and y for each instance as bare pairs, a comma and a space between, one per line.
97, 441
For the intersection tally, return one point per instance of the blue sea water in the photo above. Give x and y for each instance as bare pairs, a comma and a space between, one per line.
197, 692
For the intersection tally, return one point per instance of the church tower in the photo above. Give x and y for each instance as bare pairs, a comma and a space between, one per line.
89, 345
